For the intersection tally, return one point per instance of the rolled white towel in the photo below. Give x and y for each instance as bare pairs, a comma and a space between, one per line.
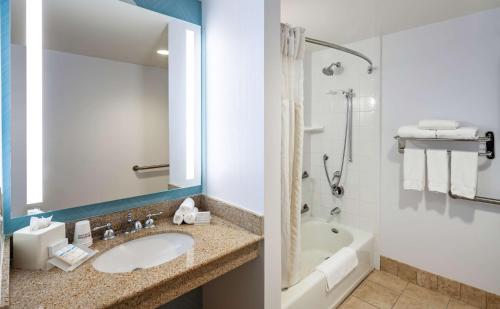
437, 124
414, 131
190, 218
460, 133
178, 217
187, 206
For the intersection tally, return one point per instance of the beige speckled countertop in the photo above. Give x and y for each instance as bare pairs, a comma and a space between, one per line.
218, 248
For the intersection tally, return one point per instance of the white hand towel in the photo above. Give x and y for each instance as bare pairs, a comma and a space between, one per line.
190, 218
437, 170
187, 206
178, 217
414, 169
460, 133
414, 131
338, 266
464, 173
436, 124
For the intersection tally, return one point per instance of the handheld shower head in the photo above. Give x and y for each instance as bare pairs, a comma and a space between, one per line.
333, 69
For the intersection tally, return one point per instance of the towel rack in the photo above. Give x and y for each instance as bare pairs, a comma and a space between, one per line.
489, 152
488, 140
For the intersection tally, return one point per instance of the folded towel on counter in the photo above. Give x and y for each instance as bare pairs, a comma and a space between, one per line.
338, 266
187, 206
190, 218
464, 173
415, 132
460, 133
437, 170
436, 124
178, 217
414, 169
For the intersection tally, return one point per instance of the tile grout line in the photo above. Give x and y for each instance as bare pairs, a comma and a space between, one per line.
399, 296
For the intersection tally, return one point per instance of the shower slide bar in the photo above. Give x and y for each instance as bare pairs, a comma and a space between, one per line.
344, 49
136, 168
488, 139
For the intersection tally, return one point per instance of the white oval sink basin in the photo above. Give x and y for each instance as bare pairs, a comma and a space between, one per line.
144, 252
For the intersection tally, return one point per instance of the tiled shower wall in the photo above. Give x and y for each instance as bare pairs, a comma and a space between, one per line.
360, 204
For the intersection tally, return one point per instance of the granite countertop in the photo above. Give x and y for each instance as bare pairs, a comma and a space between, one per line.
218, 248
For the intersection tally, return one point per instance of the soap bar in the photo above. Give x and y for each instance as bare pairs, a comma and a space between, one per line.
71, 254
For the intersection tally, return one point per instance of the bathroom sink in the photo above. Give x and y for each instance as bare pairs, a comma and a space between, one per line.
144, 252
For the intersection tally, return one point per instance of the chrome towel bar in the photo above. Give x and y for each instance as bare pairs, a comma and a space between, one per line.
489, 152
136, 168
488, 140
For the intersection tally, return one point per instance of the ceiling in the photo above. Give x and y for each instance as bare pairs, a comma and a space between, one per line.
345, 21
109, 29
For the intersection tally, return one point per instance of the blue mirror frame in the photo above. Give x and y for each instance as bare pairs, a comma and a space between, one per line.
187, 10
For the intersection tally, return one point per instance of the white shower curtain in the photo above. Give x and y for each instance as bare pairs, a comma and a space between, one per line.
292, 131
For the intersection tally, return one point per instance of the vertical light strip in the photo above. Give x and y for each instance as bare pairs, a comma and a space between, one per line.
190, 98
34, 66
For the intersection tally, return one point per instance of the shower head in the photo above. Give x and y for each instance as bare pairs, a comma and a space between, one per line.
333, 69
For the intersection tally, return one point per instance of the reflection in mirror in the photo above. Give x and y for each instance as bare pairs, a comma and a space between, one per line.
91, 107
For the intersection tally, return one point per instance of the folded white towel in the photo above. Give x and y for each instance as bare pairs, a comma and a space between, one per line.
178, 217
414, 169
437, 170
187, 206
464, 173
338, 266
190, 218
414, 131
460, 133
437, 124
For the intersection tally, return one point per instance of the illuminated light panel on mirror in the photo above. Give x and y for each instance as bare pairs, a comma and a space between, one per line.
162, 52
190, 108
34, 95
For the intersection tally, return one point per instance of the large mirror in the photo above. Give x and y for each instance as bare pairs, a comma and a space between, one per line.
105, 103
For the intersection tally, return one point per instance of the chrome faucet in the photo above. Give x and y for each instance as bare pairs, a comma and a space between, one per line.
132, 226
335, 211
108, 233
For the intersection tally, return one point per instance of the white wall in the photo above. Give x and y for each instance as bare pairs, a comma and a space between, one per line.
243, 137
360, 204
235, 101
101, 117
444, 70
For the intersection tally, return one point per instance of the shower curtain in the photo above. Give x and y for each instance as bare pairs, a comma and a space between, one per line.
292, 131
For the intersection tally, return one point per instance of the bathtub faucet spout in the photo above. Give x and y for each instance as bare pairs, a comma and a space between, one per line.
335, 211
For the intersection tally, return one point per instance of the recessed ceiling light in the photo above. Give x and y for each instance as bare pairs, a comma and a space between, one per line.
162, 52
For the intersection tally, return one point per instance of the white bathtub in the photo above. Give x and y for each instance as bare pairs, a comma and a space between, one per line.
318, 243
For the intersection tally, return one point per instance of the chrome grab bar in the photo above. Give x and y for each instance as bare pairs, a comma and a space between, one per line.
136, 168
480, 199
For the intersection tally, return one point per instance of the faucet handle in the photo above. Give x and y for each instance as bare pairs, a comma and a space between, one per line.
150, 222
108, 233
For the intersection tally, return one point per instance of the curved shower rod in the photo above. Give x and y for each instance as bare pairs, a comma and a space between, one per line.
344, 49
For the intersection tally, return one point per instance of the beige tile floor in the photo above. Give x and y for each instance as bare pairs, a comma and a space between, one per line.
384, 291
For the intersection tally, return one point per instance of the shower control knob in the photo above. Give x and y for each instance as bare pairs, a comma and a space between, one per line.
338, 191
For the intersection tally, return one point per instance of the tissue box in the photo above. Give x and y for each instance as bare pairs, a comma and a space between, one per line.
31, 247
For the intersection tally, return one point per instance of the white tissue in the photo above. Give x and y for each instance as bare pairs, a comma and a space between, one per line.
34, 211
39, 223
